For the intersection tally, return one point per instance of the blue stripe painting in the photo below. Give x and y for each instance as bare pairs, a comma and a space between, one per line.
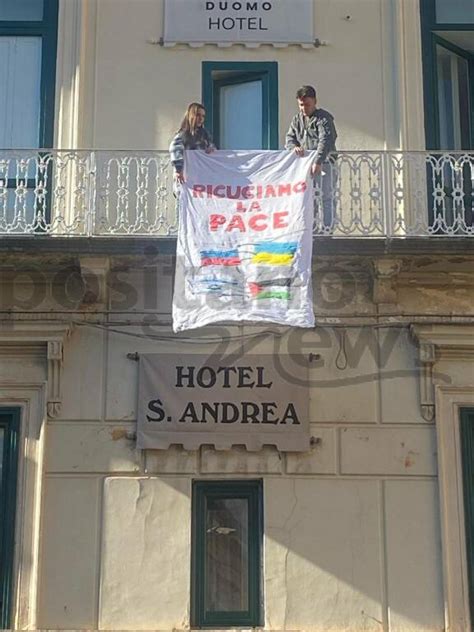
277, 248
206, 254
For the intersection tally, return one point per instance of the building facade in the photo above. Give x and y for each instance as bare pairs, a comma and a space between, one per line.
371, 527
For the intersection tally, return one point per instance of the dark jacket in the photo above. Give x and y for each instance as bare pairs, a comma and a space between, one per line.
319, 133
202, 140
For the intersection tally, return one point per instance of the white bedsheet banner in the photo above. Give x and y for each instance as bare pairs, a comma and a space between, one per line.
245, 239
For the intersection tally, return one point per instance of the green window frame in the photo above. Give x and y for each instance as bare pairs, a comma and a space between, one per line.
241, 72
429, 40
204, 492
47, 29
10, 424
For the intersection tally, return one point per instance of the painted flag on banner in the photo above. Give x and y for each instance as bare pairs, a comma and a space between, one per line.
244, 239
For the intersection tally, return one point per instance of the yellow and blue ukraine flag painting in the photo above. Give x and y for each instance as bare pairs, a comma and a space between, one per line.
275, 253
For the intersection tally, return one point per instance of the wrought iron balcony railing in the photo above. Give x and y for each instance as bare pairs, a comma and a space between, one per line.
113, 193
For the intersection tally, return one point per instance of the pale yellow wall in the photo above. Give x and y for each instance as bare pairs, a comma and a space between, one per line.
352, 533
352, 528
142, 89
130, 93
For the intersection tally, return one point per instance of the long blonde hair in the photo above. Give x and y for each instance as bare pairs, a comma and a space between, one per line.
188, 124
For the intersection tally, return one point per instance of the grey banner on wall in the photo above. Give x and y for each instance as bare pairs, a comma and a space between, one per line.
194, 400
228, 22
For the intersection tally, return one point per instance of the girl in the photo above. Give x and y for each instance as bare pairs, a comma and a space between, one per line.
191, 135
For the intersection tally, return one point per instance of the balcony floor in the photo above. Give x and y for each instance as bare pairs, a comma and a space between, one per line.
322, 245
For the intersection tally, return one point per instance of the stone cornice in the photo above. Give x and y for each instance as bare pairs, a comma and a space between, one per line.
457, 341
323, 245
44, 339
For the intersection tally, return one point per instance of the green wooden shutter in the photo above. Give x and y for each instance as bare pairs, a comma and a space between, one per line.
205, 493
10, 428
467, 451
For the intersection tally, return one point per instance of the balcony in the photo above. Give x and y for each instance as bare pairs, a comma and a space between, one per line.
104, 194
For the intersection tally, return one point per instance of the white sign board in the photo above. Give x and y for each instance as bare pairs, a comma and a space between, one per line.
242, 21
251, 400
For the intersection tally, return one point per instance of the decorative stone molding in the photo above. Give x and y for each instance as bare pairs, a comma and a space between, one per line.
30, 396
75, 77
46, 339
55, 357
94, 272
449, 402
437, 342
455, 341
427, 395
386, 272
